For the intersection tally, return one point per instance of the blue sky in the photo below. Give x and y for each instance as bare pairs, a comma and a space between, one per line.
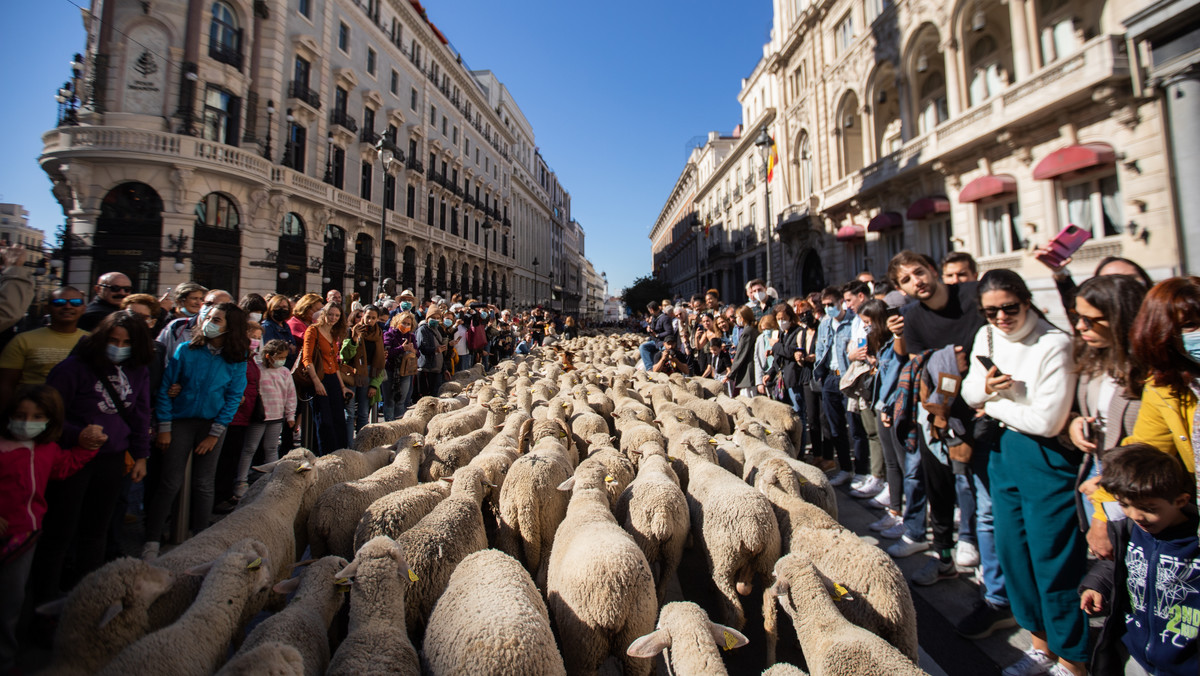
614, 91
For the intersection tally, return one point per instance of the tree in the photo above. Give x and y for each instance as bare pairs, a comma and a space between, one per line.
644, 290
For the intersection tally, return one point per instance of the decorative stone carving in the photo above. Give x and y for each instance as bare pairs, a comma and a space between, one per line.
179, 181
145, 71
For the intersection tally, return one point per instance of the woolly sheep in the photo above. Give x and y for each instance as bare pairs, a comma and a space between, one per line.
490, 620
736, 409
268, 659
414, 421
712, 417
803, 481
692, 638
456, 423
784, 669
446, 456
198, 642
814, 484
435, 545
396, 512
534, 430
105, 612
585, 423
780, 418
337, 511
634, 437
615, 463
832, 644
304, 623
654, 510
599, 587
530, 507
377, 642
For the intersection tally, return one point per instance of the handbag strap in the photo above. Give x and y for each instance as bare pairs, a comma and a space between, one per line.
112, 394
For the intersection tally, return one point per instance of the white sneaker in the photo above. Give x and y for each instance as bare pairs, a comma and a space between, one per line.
870, 488
884, 499
859, 481
150, 551
1059, 670
1034, 663
887, 521
966, 555
840, 477
907, 547
895, 532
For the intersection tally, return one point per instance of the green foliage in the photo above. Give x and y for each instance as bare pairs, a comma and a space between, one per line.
644, 290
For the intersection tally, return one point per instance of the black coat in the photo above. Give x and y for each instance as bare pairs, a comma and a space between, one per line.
785, 350
742, 370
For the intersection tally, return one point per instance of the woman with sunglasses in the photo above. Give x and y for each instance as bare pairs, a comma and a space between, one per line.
29, 356
1028, 387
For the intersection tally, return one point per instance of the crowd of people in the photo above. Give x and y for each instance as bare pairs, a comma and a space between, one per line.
109, 399
1057, 463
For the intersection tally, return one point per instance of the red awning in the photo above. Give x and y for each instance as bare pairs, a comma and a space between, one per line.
987, 186
850, 232
928, 206
1074, 158
885, 221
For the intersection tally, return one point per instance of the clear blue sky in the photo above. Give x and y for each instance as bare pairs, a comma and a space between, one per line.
614, 91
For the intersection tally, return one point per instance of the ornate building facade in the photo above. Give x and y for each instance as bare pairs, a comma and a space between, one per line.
312, 144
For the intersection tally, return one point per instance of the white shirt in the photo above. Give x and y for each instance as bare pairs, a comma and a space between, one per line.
461, 346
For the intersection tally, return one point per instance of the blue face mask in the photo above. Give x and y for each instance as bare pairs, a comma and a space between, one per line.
212, 330
25, 430
1191, 344
405, 305
117, 354
186, 312
204, 311
447, 322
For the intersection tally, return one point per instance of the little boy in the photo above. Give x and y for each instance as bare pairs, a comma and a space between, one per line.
1152, 588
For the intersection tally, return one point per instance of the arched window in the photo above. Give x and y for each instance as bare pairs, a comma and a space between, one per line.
807, 180
933, 109
850, 130
224, 36
988, 74
217, 211
292, 226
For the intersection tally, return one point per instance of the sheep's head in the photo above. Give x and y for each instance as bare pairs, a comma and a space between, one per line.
119, 591
776, 473
245, 564
798, 579
318, 577
684, 625
588, 476
378, 555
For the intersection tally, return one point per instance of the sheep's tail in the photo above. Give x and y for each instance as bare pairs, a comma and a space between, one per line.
660, 524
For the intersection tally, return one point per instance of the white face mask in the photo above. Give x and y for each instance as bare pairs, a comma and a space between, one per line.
760, 296
255, 317
785, 325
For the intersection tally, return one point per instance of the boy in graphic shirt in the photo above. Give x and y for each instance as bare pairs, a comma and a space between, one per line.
1152, 588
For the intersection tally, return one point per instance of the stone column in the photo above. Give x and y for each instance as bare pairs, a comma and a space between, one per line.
1182, 95
1019, 30
953, 77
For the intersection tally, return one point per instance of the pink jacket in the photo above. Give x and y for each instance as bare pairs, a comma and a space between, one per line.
24, 471
278, 393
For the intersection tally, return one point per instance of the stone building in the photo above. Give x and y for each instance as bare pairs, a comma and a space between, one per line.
288, 147
15, 229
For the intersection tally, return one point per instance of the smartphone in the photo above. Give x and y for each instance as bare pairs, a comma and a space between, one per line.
988, 363
1064, 245
891, 312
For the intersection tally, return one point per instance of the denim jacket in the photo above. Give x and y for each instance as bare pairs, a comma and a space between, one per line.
831, 344
887, 380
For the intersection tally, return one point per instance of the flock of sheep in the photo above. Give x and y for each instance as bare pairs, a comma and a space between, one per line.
524, 522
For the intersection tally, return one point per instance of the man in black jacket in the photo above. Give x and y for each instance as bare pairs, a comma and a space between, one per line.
111, 289
661, 325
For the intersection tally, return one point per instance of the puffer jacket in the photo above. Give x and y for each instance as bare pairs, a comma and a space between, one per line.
212, 388
24, 470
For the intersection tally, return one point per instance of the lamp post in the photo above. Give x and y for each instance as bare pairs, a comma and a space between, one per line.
487, 251
289, 151
764, 144
270, 116
535, 277
384, 150
68, 95
329, 159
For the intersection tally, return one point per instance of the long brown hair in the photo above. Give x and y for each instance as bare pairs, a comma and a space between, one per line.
1118, 298
44, 397
1170, 307
236, 346
876, 311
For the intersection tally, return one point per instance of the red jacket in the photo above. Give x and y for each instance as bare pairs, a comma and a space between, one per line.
24, 472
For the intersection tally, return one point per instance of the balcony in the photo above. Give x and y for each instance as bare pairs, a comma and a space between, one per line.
368, 136
341, 119
507, 223
300, 91
737, 192
414, 164
226, 54
750, 182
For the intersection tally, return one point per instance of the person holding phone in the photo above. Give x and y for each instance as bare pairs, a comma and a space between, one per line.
319, 355
1029, 390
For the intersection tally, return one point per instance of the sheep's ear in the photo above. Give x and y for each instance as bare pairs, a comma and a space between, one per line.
200, 570
348, 572
727, 637
649, 645
266, 469
52, 608
287, 586
110, 614
567, 486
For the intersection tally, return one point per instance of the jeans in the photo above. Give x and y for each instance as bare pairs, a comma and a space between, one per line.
330, 414
890, 446
266, 432
822, 446
362, 408
800, 406
835, 412
649, 351
989, 563
465, 361
186, 434
964, 488
13, 576
400, 395
914, 494
385, 394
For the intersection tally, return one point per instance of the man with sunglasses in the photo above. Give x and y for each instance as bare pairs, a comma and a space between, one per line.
30, 355
111, 289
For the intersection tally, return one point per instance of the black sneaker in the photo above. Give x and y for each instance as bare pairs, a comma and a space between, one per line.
984, 619
936, 570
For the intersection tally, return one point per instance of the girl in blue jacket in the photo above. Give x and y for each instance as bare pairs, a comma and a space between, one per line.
210, 370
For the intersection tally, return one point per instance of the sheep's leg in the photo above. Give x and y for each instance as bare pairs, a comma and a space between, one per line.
770, 623
723, 572
670, 554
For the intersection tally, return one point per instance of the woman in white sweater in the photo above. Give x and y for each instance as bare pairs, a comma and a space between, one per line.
1029, 390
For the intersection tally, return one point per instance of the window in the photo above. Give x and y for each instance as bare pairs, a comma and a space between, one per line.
429, 206
368, 119
433, 115
338, 165
221, 112
453, 220
344, 37
806, 166
305, 8
999, 229
873, 9
442, 216
389, 191
300, 73
843, 35
224, 36
892, 243
987, 74
395, 83
339, 101
454, 136
444, 125
933, 107
364, 189
410, 204
392, 133
215, 211
297, 142
371, 58
1093, 204
413, 99
467, 146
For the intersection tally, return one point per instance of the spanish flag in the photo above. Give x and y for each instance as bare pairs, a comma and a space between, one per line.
707, 224
772, 160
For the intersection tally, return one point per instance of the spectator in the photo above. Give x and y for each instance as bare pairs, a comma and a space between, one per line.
718, 361
1032, 477
275, 325
741, 371
761, 302
712, 300
430, 348
899, 469
105, 388
959, 267
277, 392
570, 330
29, 457
16, 285
28, 357
659, 328
111, 289
189, 298
789, 366
833, 336
330, 395
146, 307
334, 297
1109, 265
398, 341
182, 330
211, 372
670, 359
868, 455
764, 346
303, 312
364, 351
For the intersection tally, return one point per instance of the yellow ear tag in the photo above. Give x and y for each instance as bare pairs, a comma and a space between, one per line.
801, 480
713, 442
255, 564
766, 430
672, 458
342, 581
730, 640
608, 479
840, 593
412, 577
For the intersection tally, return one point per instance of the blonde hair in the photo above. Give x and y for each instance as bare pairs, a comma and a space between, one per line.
303, 307
767, 322
399, 318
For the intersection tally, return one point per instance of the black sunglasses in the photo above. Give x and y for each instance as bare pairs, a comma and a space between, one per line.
1011, 310
118, 289
63, 302
1088, 322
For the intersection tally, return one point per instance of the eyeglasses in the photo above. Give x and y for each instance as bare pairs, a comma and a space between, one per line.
63, 302
118, 289
1010, 310
1088, 322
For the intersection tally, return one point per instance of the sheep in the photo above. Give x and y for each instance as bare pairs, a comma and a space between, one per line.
805, 481
304, 623
616, 464
534, 430
654, 510
446, 456
692, 638
396, 512
270, 520
880, 598
268, 659
447, 426
377, 642
490, 620
530, 507
832, 644
736, 409
713, 418
599, 587
735, 527
784, 669
814, 484
435, 545
414, 421
780, 418
335, 514
105, 612
634, 437
450, 387
199, 640
710, 386
585, 423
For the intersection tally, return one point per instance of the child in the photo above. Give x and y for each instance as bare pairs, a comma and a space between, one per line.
29, 457
1152, 589
277, 392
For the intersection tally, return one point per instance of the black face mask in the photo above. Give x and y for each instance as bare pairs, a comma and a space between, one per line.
280, 315
807, 319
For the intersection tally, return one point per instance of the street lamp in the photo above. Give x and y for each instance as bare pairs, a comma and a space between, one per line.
288, 149
270, 115
765, 144
535, 277
329, 159
384, 149
487, 228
